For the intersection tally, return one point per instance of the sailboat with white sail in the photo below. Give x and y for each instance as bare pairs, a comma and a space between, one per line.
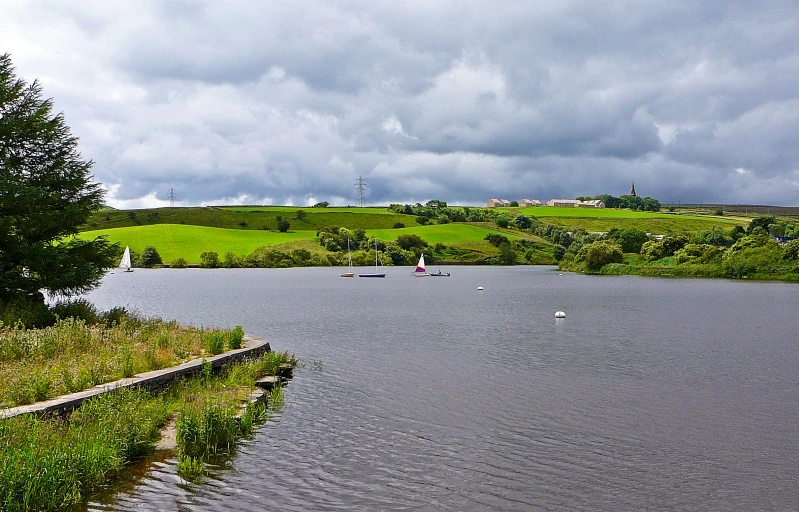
420, 270
125, 263
349, 273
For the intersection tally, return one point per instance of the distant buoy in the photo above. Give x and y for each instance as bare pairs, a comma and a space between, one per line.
560, 314
560, 274
480, 288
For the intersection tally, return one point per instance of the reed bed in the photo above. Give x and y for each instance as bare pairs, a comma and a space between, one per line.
72, 355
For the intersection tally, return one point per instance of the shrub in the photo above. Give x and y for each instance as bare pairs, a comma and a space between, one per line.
601, 253
26, 310
209, 259
283, 226
523, 222
497, 240
503, 222
150, 257
792, 250
80, 308
653, 250
399, 225
180, 263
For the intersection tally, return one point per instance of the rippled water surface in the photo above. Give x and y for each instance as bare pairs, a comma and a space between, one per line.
426, 394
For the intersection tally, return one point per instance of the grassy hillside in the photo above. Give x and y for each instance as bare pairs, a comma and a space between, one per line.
241, 230
188, 242
176, 240
252, 218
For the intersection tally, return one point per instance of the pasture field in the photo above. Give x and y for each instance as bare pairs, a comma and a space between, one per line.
449, 234
658, 225
252, 218
176, 240
610, 213
377, 210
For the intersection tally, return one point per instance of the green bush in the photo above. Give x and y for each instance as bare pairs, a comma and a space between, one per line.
150, 257
283, 226
26, 310
80, 308
179, 263
209, 259
601, 253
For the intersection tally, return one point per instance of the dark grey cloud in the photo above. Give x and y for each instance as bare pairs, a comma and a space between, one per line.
255, 102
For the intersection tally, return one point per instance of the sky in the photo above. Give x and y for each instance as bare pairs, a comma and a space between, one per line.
288, 103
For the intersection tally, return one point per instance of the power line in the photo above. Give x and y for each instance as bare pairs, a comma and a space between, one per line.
171, 197
360, 186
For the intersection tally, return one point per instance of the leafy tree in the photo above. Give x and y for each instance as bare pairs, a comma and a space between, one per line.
436, 203
410, 242
300, 215
497, 240
523, 222
630, 240
792, 250
209, 259
283, 225
601, 253
653, 250
322, 204
502, 222
150, 257
651, 204
558, 252
763, 221
514, 204
46, 193
179, 263
507, 256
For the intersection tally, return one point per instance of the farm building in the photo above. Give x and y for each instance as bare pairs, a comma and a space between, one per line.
498, 202
530, 202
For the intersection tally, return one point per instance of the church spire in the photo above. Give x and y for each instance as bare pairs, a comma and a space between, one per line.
632, 190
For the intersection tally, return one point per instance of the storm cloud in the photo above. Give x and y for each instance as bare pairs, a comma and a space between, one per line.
288, 103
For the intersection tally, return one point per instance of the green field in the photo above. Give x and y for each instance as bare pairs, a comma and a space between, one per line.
252, 218
291, 210
449, 234
176, 240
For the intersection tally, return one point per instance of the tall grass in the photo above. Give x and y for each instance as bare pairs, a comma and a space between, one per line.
51, 464
72, 355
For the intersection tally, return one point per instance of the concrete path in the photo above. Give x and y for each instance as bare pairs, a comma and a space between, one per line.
252, 347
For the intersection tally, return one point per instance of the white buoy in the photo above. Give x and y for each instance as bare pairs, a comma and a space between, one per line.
560, 274
480, 288
560, 314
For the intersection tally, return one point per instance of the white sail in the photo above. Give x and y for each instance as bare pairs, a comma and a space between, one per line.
420, 270
125, 263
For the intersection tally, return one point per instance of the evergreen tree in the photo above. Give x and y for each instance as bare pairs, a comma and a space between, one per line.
46, 193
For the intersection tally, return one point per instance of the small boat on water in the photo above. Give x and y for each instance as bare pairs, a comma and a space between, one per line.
420, 270
125, 263
375, 273
439, 274
349, 273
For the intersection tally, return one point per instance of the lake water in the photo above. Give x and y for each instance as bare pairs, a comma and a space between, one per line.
427, 394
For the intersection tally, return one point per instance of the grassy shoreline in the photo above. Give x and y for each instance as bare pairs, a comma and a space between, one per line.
52, 463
